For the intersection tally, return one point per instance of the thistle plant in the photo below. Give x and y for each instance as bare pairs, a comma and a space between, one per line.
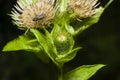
50, 27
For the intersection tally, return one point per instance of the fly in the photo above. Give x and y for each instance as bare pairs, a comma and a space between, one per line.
40, 16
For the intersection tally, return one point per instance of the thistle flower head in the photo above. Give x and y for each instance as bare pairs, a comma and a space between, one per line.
83, 8
33, 13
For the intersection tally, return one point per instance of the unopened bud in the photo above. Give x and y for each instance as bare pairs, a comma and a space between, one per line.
63, 43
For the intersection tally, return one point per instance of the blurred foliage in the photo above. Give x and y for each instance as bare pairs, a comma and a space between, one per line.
100, 45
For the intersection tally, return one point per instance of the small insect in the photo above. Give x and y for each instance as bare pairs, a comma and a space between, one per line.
40, 16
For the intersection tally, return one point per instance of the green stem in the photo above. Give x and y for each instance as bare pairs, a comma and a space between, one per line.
60, 76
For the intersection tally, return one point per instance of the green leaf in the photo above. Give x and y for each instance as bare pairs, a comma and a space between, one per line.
26, 43
46, 43
22, 43
109, 2
83, 72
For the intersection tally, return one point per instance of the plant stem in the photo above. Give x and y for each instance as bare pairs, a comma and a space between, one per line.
60, 77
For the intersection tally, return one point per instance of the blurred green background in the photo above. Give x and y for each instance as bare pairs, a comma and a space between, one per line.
101, 44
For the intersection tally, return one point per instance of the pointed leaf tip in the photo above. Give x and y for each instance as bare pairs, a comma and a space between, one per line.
83, 72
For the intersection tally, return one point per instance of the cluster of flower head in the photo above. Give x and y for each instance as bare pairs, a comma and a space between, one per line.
39, 13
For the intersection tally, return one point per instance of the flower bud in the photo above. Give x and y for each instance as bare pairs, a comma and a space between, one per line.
63, 43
